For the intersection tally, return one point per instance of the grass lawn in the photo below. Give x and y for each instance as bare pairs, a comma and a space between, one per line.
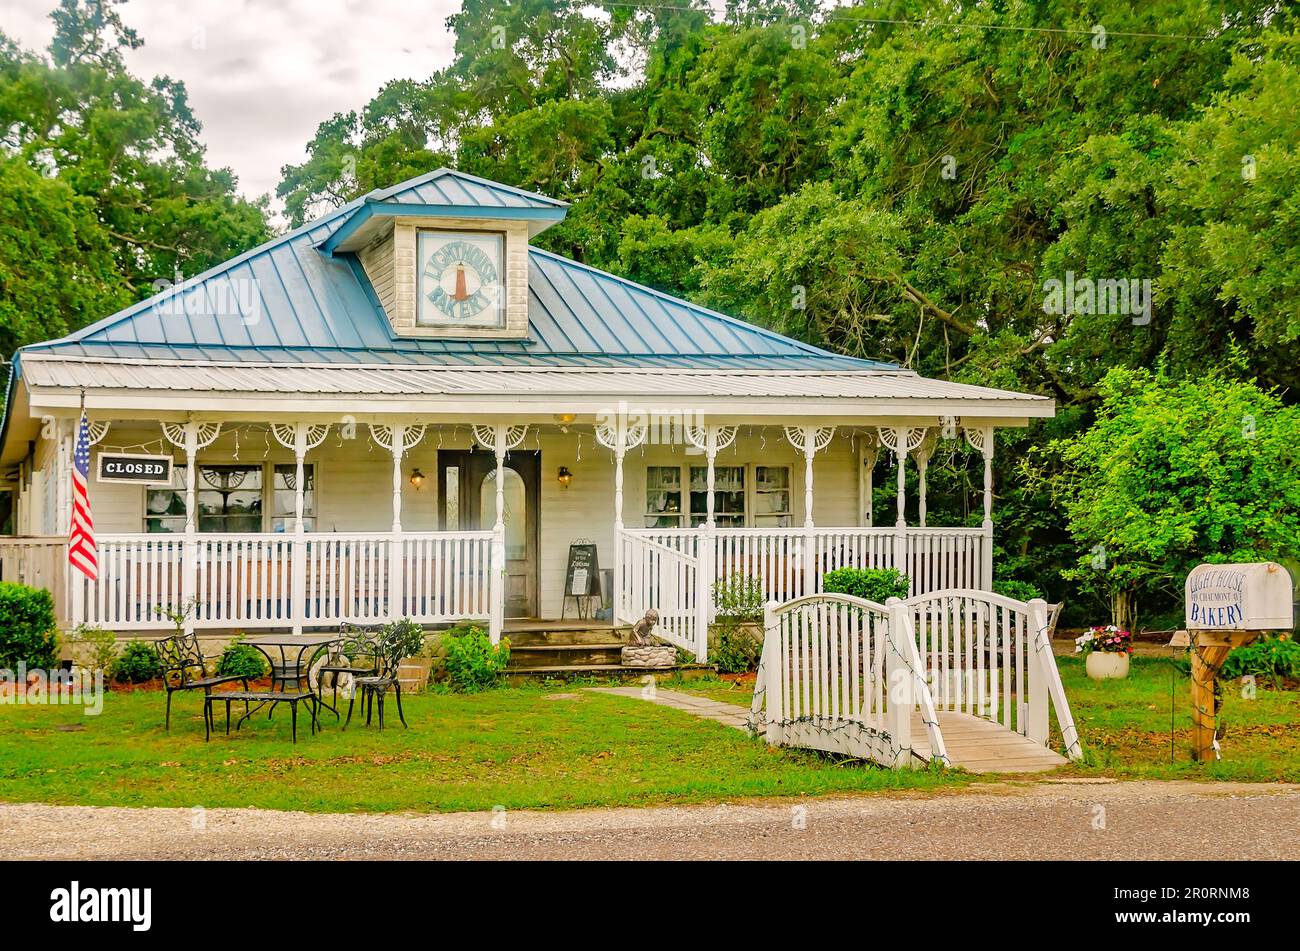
563, 747
1125, 725
518, 748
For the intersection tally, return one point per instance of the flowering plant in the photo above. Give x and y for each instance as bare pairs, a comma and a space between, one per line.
1109, 639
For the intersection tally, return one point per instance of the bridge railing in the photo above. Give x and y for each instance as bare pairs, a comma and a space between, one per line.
991, 656
842, 674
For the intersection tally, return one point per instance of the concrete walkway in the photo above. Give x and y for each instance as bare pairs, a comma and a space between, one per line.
728, 714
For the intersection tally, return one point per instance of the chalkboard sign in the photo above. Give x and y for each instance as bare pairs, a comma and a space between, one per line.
582, 575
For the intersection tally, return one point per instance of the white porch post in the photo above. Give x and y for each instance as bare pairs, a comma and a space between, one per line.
191, 437
301, 438
497, 622
618, 608
809, 440
617, 433
901, 440
868, 452
398, 439
711, 439
982, 439
500, 438
923, 453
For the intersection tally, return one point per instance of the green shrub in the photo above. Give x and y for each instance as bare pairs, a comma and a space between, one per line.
738, 596
472, 662
137, 664
737, 649
873, 584
1268, 658
737, 600
27, 630
94, 647
241, 660
403, 638
1019, 590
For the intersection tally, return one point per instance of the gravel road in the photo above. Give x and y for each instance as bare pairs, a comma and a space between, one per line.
1042, 820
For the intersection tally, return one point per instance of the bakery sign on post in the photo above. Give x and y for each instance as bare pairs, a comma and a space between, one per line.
1227, 606
1249, 597
134, 469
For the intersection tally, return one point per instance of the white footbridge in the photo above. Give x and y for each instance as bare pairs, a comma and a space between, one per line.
961, 677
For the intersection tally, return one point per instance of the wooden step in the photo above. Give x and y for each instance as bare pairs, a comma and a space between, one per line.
584, 634
606, 672
566, 655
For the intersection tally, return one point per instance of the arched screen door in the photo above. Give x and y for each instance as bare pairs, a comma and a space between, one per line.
467, 484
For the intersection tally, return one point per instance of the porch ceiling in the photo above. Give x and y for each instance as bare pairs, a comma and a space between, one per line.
108, 383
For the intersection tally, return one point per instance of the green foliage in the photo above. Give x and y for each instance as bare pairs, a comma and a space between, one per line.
738, 603
1173, 473
737, 648
100, 646
472, 662
137, 664
28, 634
738, 597
402, 638
241, 660
1019, 590
873, 584
1270, 659
103, 186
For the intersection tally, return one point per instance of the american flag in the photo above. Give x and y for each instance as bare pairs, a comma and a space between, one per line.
81, 534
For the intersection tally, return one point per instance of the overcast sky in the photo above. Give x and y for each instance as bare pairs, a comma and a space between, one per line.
262, 74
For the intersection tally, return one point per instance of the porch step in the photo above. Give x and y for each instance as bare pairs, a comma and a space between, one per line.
518, 675
556, 655
554, 635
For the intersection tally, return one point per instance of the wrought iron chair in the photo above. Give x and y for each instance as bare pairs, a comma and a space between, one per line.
356, 655
179, 656
376, 685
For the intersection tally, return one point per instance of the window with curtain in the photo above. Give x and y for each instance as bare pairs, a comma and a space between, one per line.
663, 497
283, 495
772, 496
233, 498
728, 496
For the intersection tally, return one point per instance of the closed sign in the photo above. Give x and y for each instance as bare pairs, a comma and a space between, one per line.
1250, 597
139, 470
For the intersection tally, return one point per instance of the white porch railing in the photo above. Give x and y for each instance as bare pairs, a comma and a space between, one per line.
663, 575
786, 562
243, 581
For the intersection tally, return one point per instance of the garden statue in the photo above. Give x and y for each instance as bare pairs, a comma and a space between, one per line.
642, 629
642, 650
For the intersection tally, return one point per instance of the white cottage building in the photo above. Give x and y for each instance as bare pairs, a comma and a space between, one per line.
406, 409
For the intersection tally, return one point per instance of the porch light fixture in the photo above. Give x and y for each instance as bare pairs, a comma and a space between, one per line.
564, 419
564, 477
417, 479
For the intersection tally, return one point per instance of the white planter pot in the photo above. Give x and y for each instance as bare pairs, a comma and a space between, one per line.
1105, 665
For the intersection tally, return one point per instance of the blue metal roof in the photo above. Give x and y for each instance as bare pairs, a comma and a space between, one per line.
291, 300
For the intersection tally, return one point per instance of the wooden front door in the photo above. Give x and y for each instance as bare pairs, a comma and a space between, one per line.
467, 502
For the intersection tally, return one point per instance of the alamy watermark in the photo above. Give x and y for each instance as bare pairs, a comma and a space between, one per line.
1084, 295
78, 687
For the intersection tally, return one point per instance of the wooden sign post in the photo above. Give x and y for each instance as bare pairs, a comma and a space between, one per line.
1227, 606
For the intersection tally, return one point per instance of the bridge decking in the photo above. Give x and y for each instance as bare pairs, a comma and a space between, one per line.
982, 746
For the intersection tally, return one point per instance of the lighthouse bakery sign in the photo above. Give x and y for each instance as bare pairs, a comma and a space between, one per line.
1251, 597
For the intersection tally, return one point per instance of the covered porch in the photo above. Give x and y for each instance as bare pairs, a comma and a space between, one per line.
368, 520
